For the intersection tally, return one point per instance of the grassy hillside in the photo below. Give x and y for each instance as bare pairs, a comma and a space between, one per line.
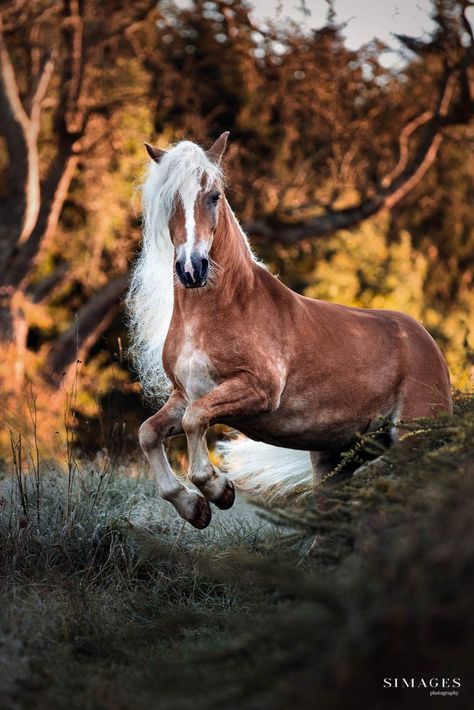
108, 601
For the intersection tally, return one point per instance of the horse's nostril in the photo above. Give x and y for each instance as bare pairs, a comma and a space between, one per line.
197, 275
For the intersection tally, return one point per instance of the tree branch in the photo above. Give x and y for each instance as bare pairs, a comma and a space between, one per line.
90, 322
43, 203
54, 193
402, 180
73, 68
43, 289
40, 91
403, 143
19, 213
14, 110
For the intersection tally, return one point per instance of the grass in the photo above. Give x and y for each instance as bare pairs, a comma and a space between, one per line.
109, 601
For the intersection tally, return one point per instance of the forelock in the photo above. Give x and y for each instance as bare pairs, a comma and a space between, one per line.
185, 169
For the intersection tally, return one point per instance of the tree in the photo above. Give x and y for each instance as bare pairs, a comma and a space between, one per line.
324, 139
59, 85
315, 118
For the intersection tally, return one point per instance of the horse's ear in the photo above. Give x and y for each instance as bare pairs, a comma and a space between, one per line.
155, 154
216, 151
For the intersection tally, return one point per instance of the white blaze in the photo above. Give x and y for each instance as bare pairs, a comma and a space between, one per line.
189, 194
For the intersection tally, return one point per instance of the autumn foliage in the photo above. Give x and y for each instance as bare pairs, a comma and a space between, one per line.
353, 180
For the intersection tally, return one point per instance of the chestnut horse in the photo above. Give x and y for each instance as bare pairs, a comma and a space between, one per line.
242, 349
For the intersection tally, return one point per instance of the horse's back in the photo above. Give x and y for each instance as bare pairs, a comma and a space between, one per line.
367, 355
386, 334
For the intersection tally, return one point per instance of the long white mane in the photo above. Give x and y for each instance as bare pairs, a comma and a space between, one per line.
150, 296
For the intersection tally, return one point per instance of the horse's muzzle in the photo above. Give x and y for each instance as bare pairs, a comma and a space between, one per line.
193, 277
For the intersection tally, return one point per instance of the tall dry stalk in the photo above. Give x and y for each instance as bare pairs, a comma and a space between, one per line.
35, 456
69, 428
17, 454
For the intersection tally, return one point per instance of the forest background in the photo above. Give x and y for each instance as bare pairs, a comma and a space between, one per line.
352, 176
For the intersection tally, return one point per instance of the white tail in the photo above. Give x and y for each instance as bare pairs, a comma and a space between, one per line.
266, 471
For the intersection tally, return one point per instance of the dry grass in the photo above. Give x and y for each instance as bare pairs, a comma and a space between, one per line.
109, 602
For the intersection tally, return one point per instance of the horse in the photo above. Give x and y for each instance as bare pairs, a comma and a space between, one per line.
301, 378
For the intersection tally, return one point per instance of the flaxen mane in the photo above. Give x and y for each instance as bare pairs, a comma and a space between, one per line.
180, 174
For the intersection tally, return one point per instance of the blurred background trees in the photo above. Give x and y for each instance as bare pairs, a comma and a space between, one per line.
353, 180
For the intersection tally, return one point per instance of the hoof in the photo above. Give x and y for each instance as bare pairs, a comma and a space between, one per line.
226, 499
202, 514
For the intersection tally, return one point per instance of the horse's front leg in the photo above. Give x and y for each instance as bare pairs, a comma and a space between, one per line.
237, 397
169, 422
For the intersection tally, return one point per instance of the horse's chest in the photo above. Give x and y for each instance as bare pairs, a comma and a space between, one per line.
194, 372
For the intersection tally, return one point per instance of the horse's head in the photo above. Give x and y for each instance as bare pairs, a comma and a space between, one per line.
195, 206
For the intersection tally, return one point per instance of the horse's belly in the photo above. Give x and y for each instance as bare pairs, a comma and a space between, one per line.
305, 437
314, 424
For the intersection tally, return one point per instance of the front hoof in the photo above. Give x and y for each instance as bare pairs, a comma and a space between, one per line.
227, 497
202, 514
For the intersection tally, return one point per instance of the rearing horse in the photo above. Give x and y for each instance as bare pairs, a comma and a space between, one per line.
242, 349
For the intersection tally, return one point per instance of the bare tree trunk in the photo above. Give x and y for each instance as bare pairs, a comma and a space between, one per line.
29, 216
54, 194
20, 335
90, 322
19, 214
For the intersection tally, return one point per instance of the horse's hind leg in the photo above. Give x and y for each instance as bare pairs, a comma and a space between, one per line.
418, 401
323, 462
327, 467
168, 422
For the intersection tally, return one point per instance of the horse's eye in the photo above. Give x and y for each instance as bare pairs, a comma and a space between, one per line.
215, 197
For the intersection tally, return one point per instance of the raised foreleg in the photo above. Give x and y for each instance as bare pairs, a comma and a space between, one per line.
169, 422
237, 397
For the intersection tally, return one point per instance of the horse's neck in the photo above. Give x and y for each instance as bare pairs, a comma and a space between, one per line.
231, 270
230, 250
